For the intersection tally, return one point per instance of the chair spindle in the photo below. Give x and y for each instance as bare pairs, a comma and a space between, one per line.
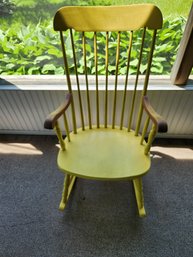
150, 138
146, 82
145, 129
86, 79
77, 79
59, 135
68, 81
106, 77
126, 79
66, 127
116, 78
136, 80
96, 76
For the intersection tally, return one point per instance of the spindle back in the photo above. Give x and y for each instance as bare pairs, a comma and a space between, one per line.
112, 42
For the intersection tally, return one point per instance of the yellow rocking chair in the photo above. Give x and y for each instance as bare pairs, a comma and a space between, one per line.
102, 141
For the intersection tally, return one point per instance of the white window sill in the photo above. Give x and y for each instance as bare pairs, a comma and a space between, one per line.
53, 82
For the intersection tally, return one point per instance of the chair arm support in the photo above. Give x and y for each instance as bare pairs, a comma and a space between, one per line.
158, 121
55, 115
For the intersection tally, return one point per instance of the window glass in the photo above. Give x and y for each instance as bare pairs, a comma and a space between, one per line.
30, 46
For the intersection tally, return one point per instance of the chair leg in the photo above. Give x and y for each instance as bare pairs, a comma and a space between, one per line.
137, 182
67, 188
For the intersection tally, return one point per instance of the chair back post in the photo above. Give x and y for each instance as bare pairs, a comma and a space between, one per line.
68, 81
136, 80
144, 92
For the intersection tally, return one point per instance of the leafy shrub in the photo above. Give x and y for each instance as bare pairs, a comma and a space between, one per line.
6, 8
36, 50
168, 42
33, 11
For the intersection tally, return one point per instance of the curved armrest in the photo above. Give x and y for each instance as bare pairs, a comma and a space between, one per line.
53, 117
156, 118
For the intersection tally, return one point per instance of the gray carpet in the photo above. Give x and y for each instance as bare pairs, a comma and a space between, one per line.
101, 217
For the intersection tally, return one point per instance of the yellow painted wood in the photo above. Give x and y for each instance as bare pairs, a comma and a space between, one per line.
145, 129
77, 79
67, 188
146, 82
86, 79
64, 192
101, 151
139, 196
106, 79
104, 154
107, 18
96, 76
150, 138
59, 135
116, 78
126, 79
136, 80
68, 80
66, 126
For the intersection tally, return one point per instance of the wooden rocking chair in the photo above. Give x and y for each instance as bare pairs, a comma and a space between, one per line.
102, 141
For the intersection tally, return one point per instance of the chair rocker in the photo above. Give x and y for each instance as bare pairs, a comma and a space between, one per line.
108, 120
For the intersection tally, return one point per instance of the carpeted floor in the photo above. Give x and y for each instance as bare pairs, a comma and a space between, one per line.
101, 217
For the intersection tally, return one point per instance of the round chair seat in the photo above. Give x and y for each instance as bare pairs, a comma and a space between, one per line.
104, 153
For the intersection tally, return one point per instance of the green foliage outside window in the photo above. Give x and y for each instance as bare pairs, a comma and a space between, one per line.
28, 44
6, 8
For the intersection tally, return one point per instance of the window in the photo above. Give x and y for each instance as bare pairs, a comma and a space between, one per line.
30, 46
